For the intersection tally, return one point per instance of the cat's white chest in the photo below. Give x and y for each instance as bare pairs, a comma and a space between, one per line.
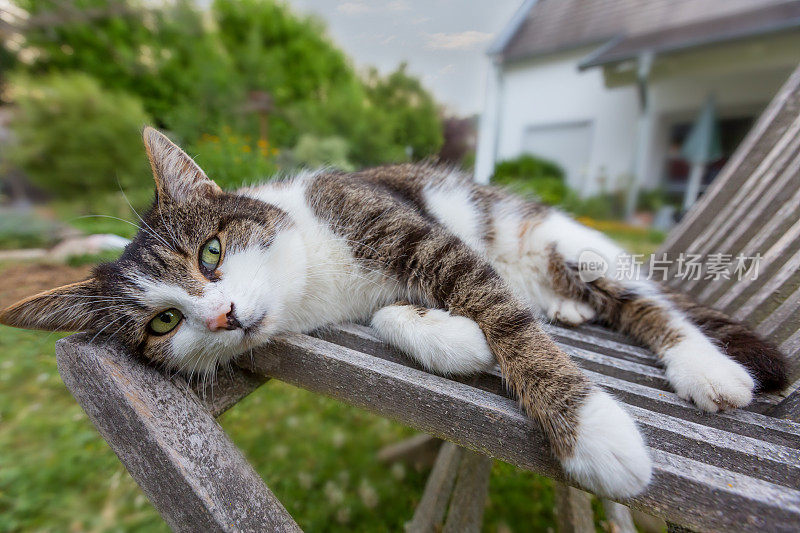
337, 287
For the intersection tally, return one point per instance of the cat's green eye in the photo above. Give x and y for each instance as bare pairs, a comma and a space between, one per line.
165, 322
210, 254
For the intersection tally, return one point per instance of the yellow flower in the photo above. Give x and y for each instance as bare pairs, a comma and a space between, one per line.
262, 143
246, 148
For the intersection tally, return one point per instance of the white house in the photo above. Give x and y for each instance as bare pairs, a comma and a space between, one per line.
610, 88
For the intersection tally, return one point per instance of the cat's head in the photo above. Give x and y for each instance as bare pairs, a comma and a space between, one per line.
209, 275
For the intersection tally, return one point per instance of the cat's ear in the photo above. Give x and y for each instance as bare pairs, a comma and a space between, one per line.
176, 175
67, 308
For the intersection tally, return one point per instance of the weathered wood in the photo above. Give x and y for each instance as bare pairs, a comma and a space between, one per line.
647, 523
465, 513
618, 517
225, 390
430, 512
675, 528
751, 499
184, 462
789, 408
573, 510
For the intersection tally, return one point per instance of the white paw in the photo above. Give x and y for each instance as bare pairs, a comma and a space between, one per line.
701, 373
441, 342
570, 312
610, 457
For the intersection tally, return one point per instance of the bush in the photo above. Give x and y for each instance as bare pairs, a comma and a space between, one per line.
26, 230
530, 174
73, 139
314, 152
234, 160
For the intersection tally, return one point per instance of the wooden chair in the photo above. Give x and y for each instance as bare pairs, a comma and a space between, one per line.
737, 471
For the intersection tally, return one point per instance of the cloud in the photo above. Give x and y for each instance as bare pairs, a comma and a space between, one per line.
359, 7
353, 8
465, 40
398, 5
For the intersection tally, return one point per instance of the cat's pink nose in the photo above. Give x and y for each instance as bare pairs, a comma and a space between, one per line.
225, 318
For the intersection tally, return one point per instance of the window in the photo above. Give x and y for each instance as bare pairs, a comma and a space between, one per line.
676, 173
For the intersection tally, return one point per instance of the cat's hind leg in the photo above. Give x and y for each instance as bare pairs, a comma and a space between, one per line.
441, 342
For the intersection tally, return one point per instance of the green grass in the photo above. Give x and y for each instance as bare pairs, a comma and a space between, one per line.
316, 454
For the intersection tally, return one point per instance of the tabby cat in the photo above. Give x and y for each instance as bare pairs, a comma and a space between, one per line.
454, 274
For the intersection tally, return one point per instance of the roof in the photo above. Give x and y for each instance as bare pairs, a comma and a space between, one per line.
551, 26
738, 26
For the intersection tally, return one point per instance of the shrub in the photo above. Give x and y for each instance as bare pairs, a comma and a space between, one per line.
234, 160
315, 152
75, 139
530, 174
26, 230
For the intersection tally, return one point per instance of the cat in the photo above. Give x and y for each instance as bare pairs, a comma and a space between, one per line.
454, 274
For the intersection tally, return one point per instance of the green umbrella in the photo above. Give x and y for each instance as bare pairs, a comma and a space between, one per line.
702, 146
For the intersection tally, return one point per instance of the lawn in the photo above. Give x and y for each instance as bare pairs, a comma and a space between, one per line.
316, 454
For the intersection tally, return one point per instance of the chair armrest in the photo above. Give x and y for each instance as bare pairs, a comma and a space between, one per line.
169, 442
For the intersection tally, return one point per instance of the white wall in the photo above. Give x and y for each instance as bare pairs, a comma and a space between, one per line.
552, 91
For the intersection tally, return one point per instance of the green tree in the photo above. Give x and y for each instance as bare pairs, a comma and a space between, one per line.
193, 72
407, 110
165, 56
74, 139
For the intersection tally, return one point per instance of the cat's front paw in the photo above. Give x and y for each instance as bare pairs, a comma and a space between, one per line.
701, 373
610, 457
570, 312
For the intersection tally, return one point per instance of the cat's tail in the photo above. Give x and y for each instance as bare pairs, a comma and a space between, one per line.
679, 331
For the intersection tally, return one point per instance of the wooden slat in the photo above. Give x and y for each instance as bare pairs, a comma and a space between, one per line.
465, 513
686, 490
772, 234
618, 517
573, 510
789, 408
362, 339
789, 267
171, 445
226, 390
430, 512
743, 452
775, 172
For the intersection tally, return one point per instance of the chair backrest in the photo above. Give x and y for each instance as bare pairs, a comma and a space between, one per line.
753, 207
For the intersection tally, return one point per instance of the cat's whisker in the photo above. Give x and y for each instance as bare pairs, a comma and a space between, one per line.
154, 232
137, 226
75, 306
106, 326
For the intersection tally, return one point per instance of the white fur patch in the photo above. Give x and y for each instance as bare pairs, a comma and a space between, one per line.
569, 312
441, 342
700, 372
610, 456
454, 209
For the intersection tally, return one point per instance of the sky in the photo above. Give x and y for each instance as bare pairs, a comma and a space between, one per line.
443, 41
